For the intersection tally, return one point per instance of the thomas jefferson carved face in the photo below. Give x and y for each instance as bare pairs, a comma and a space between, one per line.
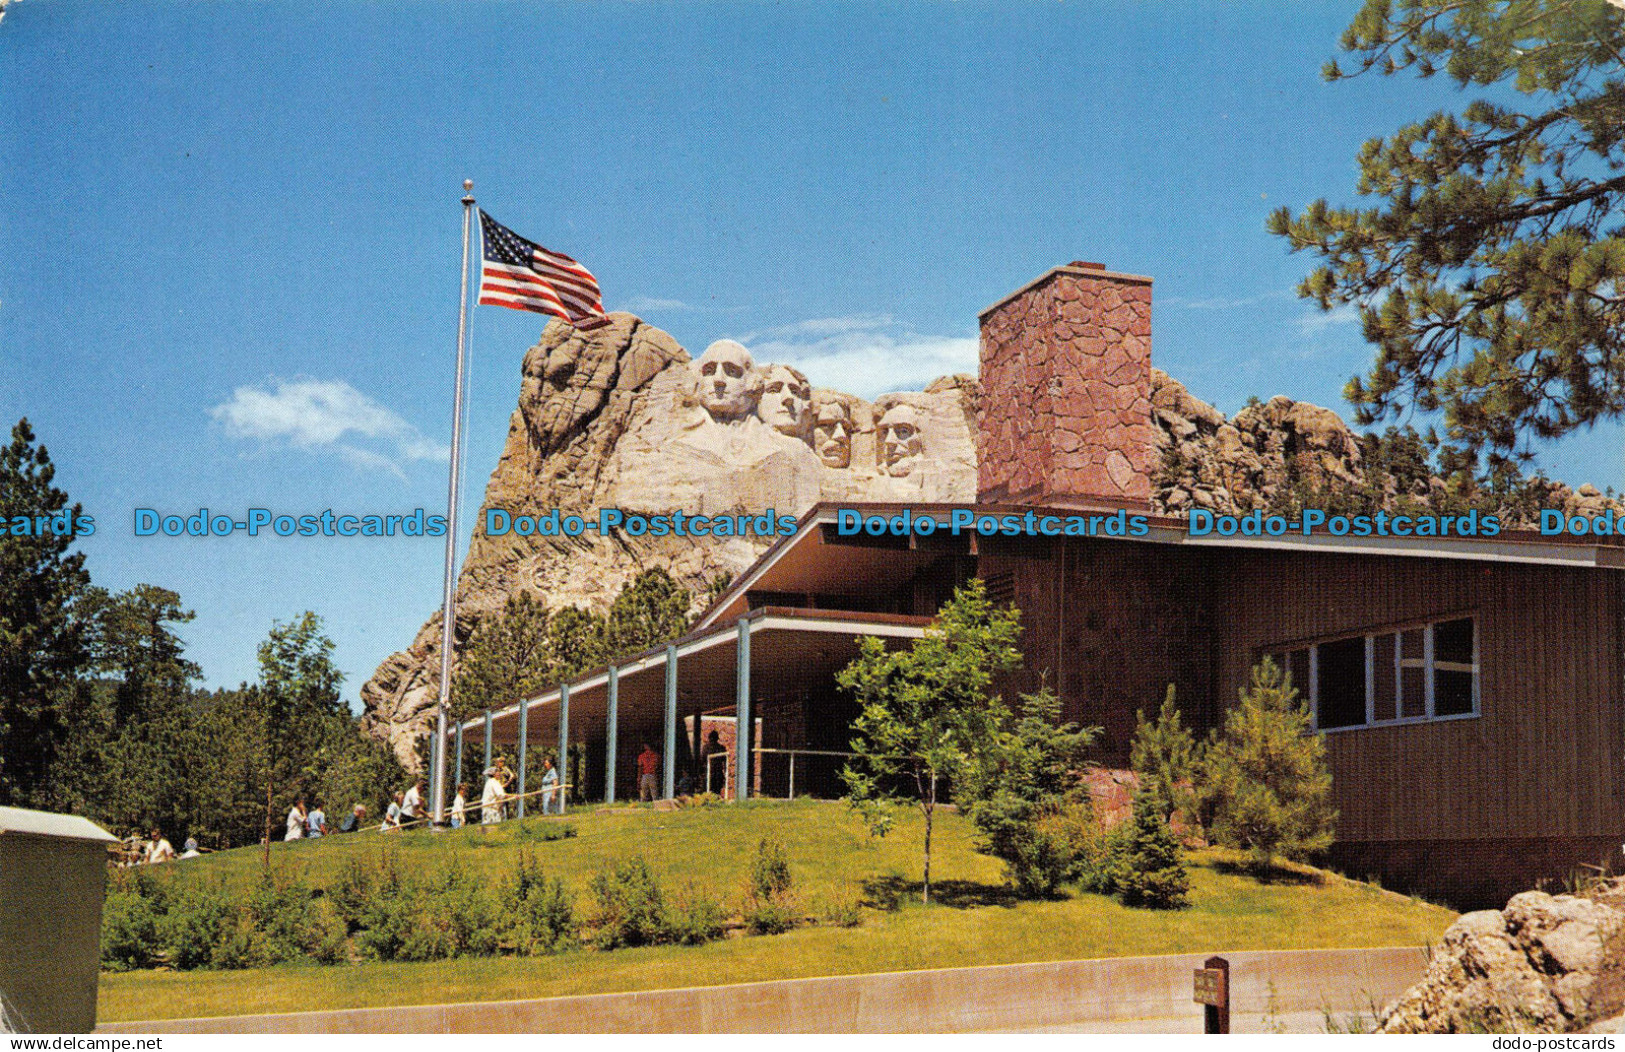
729, 382
832, 435
786, 401
900, 443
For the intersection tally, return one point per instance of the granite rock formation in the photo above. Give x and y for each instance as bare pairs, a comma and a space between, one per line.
1544, 964
619, 416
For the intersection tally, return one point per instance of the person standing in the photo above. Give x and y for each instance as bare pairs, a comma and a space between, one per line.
459, 806
648, 774
550, 790
491, 799
412, 804
191, 848
392, 817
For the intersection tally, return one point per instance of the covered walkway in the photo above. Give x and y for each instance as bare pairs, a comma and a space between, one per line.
772, 669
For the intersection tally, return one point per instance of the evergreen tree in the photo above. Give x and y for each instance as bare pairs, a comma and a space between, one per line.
1024, 791
926, 709
1163, 756
42, 646
1487, 272
575, 639
1146, 868
1265, 787
653, 609
509, 657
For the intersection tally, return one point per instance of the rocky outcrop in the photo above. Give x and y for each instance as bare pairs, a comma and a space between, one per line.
1545, 964
619, 417
1233, 465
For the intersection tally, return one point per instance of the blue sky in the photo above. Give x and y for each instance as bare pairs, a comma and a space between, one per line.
229, 233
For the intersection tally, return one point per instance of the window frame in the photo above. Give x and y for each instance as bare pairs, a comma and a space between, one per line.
1426, 662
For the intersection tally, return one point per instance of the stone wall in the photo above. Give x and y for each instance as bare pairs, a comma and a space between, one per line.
1066, 391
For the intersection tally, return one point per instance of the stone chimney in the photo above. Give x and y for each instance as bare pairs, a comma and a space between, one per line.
1065, 413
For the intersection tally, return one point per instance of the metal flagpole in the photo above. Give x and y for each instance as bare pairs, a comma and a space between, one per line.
448, 613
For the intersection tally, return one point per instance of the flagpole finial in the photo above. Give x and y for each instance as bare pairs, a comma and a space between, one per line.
468, 192
468, 184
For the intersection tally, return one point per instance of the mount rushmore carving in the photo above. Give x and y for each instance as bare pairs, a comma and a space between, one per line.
619, 416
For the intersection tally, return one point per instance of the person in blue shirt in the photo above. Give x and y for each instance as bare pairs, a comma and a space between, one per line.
552, 798
315, 821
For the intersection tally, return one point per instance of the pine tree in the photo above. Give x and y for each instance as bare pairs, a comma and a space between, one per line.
1265, 787
1488, 271
1148, 870
42, 644
1163, 756
509, 657
653, 609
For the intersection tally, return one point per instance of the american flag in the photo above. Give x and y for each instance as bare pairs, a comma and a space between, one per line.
525, 276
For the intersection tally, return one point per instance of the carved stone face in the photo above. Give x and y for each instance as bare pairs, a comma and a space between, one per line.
729, 382
900, 443
786, 401
832, 435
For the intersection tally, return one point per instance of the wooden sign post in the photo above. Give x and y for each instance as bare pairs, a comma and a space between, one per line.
1213, 991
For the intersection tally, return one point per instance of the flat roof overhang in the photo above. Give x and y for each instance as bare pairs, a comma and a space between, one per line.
814, 559
789, 649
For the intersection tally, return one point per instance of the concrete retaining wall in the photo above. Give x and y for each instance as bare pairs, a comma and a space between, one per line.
1112, 991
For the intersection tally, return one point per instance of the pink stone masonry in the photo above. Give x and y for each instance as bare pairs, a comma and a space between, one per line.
1066, 391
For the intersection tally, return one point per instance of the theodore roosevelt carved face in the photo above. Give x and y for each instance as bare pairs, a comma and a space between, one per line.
832, 435
730, 385
786, 402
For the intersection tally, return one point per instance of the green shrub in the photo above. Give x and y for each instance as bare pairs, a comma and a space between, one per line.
1140, 861
772, 916
842, 911
538, 914
630, 907
451, 914
769, 870
200, 928
129, 931
695, 917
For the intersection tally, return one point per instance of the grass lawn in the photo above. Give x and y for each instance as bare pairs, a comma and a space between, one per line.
973, 921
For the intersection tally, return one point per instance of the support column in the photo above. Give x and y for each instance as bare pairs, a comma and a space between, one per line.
487, 766
524, 737
563, 761
611, 718
742, 725
457, 777
669, 790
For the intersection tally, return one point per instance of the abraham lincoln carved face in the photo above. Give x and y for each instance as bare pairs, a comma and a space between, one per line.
900, 442
730, 385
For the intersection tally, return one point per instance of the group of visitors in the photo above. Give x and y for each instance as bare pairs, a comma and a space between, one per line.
497, 796
139, 851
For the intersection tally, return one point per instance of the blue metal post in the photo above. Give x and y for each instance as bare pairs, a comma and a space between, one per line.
563, 761
670, 788
524, 740
610, 720
742, 725
487, 766
457, 776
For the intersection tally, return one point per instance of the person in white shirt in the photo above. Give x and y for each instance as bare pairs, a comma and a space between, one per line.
160, 850
491, 799
296, 821
459, 806
191, 848
392, 817
412, 804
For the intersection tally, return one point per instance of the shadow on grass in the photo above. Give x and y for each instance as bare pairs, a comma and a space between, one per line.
1275, 873
891, 892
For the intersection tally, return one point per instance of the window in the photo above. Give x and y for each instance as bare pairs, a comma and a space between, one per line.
1417, 672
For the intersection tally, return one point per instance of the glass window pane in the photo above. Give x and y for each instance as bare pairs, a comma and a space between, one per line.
1453, 641
1342, 683
1384, 707
1413, 692
1452, 693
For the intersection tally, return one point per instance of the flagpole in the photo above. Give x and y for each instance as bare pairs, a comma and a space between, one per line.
448, 614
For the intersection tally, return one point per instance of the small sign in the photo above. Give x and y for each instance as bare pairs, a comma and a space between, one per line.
1210, 987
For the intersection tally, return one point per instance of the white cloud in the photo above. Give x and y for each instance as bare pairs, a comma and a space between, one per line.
1225, 302
865, 355
326, 415
638, 304
1318, 321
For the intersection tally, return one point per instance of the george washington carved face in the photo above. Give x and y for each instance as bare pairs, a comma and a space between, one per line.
832, 435
900, 442
729, 382
786, 402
